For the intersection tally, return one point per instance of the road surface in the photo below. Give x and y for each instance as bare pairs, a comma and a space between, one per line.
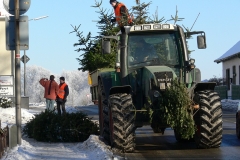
153, 146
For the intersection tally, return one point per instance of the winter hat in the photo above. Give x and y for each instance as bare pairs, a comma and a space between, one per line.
112, 1
52, 77
62, 78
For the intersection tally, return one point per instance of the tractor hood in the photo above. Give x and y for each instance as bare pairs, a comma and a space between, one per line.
159, 76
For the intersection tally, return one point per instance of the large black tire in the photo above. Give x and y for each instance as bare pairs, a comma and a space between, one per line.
238, 125
103, 113
121, 122
208, 120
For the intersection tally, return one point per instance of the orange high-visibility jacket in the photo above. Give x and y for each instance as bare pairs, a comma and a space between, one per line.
61, 91
53, 90
118, 14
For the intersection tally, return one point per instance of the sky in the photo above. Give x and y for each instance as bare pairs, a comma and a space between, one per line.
51, 45
92, 148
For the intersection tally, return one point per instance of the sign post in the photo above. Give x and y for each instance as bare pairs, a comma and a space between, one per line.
23, 33
17, 7
17, 75
25, 59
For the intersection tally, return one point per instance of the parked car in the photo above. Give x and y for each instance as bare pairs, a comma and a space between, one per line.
238, 121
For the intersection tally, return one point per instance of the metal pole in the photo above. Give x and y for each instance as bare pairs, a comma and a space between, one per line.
17, 74
24, 60
13, 70
12, 63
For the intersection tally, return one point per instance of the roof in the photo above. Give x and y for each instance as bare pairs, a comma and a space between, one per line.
231, 53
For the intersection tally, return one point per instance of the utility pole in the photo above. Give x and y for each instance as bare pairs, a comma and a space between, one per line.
17, 75
24, 72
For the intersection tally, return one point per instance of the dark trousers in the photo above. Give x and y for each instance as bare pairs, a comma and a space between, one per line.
122, 29
61, 104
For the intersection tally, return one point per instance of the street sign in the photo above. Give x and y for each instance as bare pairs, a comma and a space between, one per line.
9, 6
6, 90
6, 80
23, 33
26, 58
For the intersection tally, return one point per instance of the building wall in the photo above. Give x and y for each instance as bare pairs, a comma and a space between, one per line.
229, 65
5, 56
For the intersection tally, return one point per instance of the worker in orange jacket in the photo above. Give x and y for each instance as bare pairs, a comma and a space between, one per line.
63, 92
51, 91
121, 11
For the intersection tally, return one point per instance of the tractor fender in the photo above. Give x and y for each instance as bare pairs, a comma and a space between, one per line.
204, 86
109, 80
120, 89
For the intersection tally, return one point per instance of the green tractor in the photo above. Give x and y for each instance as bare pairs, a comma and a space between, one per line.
149, 58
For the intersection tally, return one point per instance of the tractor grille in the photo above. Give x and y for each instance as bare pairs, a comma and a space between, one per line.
164, 79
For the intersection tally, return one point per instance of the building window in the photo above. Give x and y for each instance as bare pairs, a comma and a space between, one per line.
234, 75
228, 80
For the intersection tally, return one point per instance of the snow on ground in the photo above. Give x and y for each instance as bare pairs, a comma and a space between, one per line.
230, 105
30, 149
7, 116
91, 149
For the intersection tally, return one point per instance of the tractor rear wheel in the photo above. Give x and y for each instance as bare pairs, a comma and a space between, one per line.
103, 113
208, 120
121, 122
238, 125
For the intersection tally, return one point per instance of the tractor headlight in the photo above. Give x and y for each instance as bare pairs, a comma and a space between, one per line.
138, 28
166, 26
192, 61
156, 94
146, 27
157, 26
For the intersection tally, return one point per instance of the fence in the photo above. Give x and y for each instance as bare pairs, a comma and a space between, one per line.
222, 91
235, 91
4, 143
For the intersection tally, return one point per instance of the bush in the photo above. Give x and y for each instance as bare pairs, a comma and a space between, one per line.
48, 126
5, 102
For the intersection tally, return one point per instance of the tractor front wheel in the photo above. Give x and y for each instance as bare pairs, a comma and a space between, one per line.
208, 120
121, 122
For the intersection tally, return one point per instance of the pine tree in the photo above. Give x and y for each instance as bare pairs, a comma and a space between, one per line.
92, 57
140, 13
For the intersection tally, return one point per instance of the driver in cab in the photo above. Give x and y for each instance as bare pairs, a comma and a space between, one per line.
142, 52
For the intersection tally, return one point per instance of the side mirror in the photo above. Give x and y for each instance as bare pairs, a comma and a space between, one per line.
201, 40
106, 47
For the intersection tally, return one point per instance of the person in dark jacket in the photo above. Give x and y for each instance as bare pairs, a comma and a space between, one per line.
121, 14
62, 96
51, 91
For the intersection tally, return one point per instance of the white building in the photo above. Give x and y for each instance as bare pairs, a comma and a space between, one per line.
5, 56
231, 66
